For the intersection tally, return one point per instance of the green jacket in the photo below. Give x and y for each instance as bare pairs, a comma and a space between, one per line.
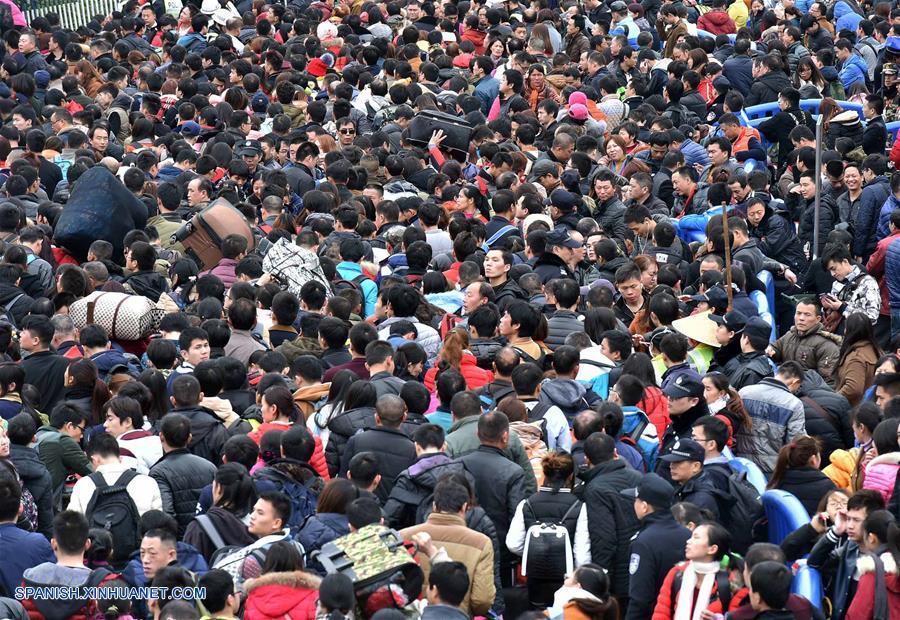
61, 455
463, 438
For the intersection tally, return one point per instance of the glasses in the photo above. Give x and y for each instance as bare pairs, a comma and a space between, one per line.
348, 132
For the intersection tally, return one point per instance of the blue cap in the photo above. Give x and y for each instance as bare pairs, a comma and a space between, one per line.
190, 128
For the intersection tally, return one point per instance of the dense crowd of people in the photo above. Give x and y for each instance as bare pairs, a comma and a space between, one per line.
455, 309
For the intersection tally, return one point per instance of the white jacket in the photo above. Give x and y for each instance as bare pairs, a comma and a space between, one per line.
142, 489
140, 450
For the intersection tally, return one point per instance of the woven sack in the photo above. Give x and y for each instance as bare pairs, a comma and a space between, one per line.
123, 316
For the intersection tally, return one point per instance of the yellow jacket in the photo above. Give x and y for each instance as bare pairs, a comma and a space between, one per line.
842, 468
737, 10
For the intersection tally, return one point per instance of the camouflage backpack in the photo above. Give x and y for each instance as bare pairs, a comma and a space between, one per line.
381, 566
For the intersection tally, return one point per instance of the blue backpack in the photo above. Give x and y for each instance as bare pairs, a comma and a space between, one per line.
303, 495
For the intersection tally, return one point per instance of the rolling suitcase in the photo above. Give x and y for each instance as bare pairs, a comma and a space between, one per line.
202, 236
458, 131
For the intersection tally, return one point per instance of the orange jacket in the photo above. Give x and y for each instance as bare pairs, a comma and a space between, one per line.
742, 143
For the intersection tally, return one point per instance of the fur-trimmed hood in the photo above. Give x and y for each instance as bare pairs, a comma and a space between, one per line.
891, 458
866, 564
295, 579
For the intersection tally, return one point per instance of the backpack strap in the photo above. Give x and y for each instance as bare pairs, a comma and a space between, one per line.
822, 412
880, 608
576, 503
537, 412
210, 530
496, 236
723, 589
102, 487
360, 279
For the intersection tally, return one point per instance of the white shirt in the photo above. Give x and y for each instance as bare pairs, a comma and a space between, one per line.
142, 489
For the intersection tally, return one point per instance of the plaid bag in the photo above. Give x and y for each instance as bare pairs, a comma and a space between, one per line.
123, 316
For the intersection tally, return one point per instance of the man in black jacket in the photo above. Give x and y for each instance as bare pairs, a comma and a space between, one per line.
611, 518
395, 451
778, 128
180, 475
657, 546
685, 461
875, 134
34, 474
140, 259
44, 369
499, 482
208, 433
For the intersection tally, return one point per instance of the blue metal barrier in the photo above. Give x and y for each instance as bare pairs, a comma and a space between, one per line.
808, 584
755, 475
785, 514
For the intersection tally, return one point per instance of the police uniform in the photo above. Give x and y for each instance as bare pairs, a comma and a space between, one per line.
655, 548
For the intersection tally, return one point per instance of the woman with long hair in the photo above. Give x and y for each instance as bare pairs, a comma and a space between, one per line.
330, 520
585, 594
808, 79
879, 570
85, 390
233, 494
882, 470
358, 413
283, 588
337, 394
12, 378
725, 403
278, 411
857, 360
409, 361
654, 403
155, 381
455, 354
797, 471
554, 501
89, 77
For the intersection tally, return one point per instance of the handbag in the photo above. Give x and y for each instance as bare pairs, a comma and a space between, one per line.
123, 316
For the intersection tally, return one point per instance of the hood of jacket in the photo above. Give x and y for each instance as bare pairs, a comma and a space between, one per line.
841, 9
776, 80
817, 330
848, 118
27, 462
295, 579
563, 392
812, 381
8, 292
428, 470
312, 393
718, 18
296, 470
866, 564
829, 72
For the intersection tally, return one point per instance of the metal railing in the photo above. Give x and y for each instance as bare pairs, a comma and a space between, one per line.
71, 14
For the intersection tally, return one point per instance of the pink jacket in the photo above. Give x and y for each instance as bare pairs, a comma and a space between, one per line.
224, 269
17, 14
881, 474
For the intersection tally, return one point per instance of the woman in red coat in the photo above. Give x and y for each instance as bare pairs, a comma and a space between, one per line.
284, 590
881, 532
455, 354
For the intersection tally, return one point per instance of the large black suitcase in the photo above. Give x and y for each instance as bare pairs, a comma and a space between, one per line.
457, 131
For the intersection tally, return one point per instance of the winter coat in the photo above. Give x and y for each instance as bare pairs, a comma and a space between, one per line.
700, 491
884, 217
873, 197
862, 607
610, 215
815, 349
611, 518
142, 489
393, 449
853, 71
150, 284
859, 292
892, 272
881, 475
717, 22
140, 449
549, 266
474, 376
695, 102
559, 326
877, 267
224, 270
856, 372
777, 418
343, 426
807, 484
845, 17
570, 396
655, 549
767, 88
282, 595
875, 136
181, 477
61, 455
739, 71
843, 468
428, 337
777, 128
668, 595
751, 368
776, 239
844, 125
232, 530
795, 53
37, 480
463, 544
828, 219
51, 574
45, 371
462, 439
826, 413
318, 530
406, 504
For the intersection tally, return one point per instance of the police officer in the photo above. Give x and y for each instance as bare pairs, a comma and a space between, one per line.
656, 547
694, 485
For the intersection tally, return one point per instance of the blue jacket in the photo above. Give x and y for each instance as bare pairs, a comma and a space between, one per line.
487, 89
846, 18
739, 71
348, 271
30, 548
884, 217
694, 153
892, 272
871, 200
647, 441
317, 531
854, 70
193, 42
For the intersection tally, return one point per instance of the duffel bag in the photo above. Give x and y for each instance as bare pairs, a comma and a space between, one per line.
381, 566
123, 316
202, 236
457, 132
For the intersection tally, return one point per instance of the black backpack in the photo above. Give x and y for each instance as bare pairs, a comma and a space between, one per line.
548, 552
209, 446
740, 511
112, 509
354, 284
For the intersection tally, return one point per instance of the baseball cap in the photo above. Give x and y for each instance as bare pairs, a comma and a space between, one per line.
248, 148
685, 450
564, 200
618, 7
544, 167
578, 111
652, 489
715, 297
733, 320
259, 103
684, 386
559, 237
757, 327
189, 128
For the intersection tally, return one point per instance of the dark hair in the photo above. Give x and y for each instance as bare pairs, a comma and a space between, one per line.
451, 580
797, 454
336, 496
238, 489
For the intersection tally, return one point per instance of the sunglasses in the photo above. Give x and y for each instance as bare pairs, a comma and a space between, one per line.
348, 132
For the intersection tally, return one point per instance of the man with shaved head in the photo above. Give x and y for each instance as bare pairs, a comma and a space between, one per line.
394, 450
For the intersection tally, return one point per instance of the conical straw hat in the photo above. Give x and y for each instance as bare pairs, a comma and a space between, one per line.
697, 327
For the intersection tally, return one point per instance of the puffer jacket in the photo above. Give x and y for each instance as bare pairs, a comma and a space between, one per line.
187, 557
767, 88
874, 194
807, 484
181, 477
846, 18
560, 325
842, 468
826, 413
862, 607
611, 519
795, 53
51, 574
856, 372
319, 529
37, 480
717, 22
282, 595
408, 501
828, 219
342, 427
777, 418
224, 270
815, 349
884, 217
881, 474
571, 396
877, 267
428, 337
853, 71
892, 273
751, 368
474, 376
150, 284
844, 125
610, 215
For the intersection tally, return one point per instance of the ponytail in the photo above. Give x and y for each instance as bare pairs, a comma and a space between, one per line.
795, 454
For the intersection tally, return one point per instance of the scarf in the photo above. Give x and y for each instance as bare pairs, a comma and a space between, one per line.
567, 593
707, 572
717, 405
